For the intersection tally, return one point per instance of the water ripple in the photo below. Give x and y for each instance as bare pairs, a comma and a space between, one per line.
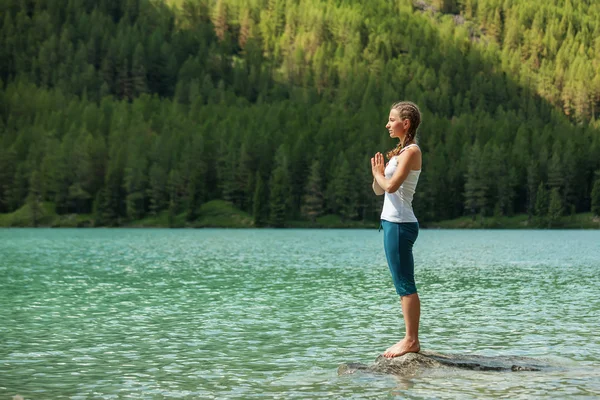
221, 313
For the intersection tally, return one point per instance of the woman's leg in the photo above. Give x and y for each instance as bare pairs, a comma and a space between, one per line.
401, 258
411, 311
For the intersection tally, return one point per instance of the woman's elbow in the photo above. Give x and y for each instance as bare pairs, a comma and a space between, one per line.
392, 188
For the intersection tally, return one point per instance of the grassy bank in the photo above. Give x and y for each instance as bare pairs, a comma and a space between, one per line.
520, 221
47, 217
332, 221
213, 214
222, 214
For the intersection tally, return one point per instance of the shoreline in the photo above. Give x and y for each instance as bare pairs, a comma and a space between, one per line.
457, 224
218, 214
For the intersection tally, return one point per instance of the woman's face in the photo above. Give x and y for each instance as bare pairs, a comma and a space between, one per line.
397, 126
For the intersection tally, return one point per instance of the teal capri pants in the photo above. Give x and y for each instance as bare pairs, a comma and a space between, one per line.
398, 240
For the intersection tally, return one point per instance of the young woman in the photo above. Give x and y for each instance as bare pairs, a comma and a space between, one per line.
397, 181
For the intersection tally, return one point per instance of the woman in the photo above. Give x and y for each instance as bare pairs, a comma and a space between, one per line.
397, 181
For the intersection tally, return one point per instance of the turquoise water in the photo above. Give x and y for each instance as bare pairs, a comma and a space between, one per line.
220, 313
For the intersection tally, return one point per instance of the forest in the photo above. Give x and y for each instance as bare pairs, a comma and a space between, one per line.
120, 111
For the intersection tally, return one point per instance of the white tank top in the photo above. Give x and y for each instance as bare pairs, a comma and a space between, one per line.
397, 206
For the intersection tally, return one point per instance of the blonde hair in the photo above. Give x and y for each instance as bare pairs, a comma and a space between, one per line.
406, 110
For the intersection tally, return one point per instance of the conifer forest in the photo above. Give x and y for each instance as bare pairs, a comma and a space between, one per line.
121, 110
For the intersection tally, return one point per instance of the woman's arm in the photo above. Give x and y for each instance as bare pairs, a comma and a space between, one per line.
377, 189
402, 170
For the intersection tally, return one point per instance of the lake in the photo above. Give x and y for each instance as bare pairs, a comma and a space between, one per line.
267, 313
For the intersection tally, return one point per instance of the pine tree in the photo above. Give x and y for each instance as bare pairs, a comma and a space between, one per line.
555, 208
176, 189
80, 163
345, 192
243, 179
219, 19
7, 170
486, 192
125, 86
109, 70
278, 197
555, 172
279, 185
259, 203
245, 28
99, 209
138, 72
17, 192
541, 202
131, 10
596, 196
532, 183
473, 183
226, 171
157, 188
114, 196
572, 182
135, 187
34, 198
196, 183
504, 179
313, 195
172, 221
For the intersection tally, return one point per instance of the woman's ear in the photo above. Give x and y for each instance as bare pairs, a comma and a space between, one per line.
406, 123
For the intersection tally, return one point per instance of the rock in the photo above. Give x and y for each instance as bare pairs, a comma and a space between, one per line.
412, 362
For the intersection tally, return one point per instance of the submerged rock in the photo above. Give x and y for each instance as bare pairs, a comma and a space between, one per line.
411, 362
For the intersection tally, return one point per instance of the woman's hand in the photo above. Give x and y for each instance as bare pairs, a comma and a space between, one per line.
377, 165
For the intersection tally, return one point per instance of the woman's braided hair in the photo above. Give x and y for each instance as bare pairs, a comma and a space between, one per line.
410, 111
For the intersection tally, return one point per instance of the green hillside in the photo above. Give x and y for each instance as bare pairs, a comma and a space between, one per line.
133, 111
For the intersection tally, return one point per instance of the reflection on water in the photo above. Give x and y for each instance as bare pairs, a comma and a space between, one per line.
223, 313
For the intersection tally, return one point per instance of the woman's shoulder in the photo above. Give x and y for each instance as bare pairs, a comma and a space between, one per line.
410, 150
412, 155
413, 148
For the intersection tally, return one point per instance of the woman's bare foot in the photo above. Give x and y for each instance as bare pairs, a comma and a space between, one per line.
402, 347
